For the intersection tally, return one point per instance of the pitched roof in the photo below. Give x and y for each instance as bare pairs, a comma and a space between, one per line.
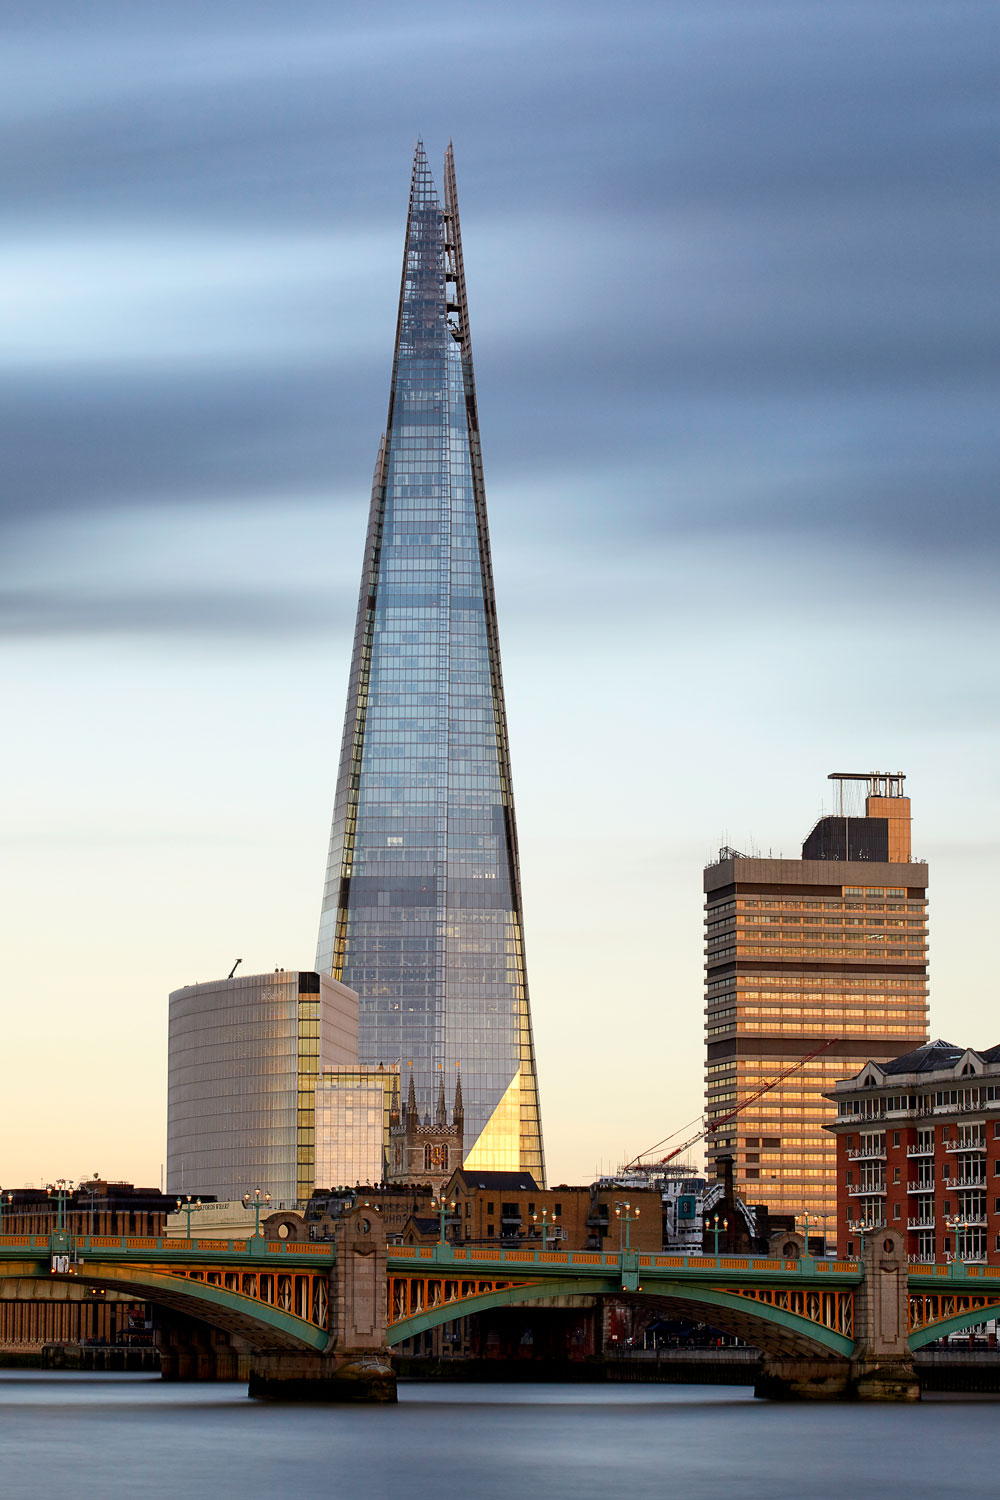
925, 1059
516, 1181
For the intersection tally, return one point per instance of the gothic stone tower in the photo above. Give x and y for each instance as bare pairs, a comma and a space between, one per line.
428, 1149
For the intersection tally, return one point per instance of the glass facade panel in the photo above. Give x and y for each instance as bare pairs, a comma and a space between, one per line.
352, 1126
422, 904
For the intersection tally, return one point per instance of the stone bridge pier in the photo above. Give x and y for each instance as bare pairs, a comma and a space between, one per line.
356, 1364
192, 1350
880, 1367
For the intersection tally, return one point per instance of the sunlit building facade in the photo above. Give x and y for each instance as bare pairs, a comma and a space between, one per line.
813, 965
353, 1110
422, 904
244, 1059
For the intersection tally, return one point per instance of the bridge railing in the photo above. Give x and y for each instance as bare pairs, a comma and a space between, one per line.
132, 1243
598, 1259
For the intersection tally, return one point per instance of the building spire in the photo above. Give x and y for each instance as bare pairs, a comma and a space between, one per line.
458, 1113
441, 1116
420, 621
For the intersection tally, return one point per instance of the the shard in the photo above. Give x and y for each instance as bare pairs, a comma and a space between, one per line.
422, 903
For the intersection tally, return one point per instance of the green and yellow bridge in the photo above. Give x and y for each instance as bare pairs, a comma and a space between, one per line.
323, 1308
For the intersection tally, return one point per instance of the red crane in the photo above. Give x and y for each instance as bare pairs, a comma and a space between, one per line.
709, 1127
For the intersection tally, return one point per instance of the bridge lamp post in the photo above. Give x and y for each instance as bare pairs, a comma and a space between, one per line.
957, 1224
625, 1222
185, 1206
718, 1227
255, 1201
545, 1227
62, 1187
805, 1217
443, 1206
7, 1198
860, 1228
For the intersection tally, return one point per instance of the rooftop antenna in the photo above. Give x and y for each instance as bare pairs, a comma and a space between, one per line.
234, 968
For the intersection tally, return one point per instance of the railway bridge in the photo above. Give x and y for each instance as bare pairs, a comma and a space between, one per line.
319, 1320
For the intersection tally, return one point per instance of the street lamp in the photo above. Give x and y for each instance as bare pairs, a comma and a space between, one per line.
717, 1229
956, 1223
626, 1219
255, 1201
9, 1198
860, 1228
62, 1187
443, 1205
545, 1226
185, 1206
805, 1216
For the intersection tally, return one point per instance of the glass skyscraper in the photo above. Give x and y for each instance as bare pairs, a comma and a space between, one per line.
422, 904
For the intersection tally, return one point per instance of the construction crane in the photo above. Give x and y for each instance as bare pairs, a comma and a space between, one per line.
710, 1126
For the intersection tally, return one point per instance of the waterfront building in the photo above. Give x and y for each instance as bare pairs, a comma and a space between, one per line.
228, 1219
353, 1117
244, 1058
396, 1203
682, 1194
509, 1208
918, 1151
812, 965
94, 1206
421, 911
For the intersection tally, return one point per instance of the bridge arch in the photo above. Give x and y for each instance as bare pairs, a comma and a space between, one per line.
264, 1326
771, 1328
967, 1318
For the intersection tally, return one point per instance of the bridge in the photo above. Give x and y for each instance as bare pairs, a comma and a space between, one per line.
318, 1319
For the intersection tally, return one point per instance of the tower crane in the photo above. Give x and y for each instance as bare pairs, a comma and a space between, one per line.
709, 1127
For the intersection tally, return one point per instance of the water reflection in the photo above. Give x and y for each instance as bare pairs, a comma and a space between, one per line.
116, 1435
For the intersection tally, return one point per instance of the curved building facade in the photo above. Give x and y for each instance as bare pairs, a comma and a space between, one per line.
244, 1058
422, 905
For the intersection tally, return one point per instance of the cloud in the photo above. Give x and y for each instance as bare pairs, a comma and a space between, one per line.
730, 268
225, 613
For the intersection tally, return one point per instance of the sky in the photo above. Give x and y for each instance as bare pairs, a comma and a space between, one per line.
734, 308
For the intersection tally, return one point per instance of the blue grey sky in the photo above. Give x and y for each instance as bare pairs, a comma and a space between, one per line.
732, 276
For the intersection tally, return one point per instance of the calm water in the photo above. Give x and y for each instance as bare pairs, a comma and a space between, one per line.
83, 1436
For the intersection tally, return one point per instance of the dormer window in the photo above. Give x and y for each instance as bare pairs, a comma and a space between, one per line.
869, 1082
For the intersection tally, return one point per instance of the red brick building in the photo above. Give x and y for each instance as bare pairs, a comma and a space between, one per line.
918, 1149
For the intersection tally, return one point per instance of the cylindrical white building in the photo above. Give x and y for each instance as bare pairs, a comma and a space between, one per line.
245, 1055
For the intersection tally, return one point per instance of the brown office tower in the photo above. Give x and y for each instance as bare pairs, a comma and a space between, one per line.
813, 966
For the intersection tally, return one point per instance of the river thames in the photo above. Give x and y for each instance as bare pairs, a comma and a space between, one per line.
106, 1436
